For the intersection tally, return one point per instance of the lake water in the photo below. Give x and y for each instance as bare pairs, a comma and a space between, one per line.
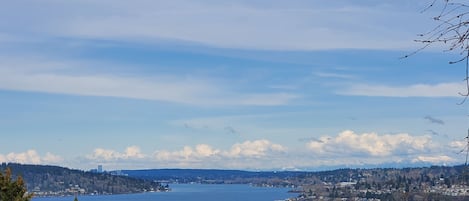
194, 192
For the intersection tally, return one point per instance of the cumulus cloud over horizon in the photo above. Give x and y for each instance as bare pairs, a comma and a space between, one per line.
132, 152
371, 144
248, 149
31, 157
198, 156
347, 148
374, 148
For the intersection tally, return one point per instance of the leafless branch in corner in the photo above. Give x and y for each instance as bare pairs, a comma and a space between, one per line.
452, 30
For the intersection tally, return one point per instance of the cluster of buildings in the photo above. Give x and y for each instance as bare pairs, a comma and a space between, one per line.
71, 190
98, 170
350, 191
114, 172
454, 190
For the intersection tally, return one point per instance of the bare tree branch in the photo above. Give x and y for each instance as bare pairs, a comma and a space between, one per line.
452, 31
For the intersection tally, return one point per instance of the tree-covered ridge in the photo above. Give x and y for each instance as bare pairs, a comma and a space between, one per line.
425, 174
212, 175
54, 180
424, 183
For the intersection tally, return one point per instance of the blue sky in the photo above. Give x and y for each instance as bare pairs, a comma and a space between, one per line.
226, 84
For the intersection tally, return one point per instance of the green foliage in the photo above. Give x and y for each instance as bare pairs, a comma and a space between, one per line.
13, 190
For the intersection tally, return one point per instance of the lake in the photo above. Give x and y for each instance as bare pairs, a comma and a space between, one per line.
194, 192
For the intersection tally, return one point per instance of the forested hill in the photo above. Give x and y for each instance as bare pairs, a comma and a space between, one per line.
258, 178
210, 175
54, 180
430, 175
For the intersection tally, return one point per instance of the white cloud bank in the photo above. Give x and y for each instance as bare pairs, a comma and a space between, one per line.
348, 142
345, 149
132, 152
247, 149
434, 159
248, 154
374, 148
31, 157
256, 154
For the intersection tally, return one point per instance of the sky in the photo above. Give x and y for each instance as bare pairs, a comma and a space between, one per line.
251, 85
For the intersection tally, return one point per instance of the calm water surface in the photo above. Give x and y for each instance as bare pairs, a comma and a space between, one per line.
194, 192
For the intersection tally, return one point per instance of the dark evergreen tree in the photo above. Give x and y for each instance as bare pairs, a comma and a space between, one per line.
13, 190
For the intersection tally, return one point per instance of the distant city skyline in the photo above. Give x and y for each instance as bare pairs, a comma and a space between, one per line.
226, 85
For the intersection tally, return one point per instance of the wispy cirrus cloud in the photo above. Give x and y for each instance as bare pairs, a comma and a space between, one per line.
47, 77
334, 75
451, 89
299, 25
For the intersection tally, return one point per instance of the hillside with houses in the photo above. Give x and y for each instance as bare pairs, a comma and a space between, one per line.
58, 181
